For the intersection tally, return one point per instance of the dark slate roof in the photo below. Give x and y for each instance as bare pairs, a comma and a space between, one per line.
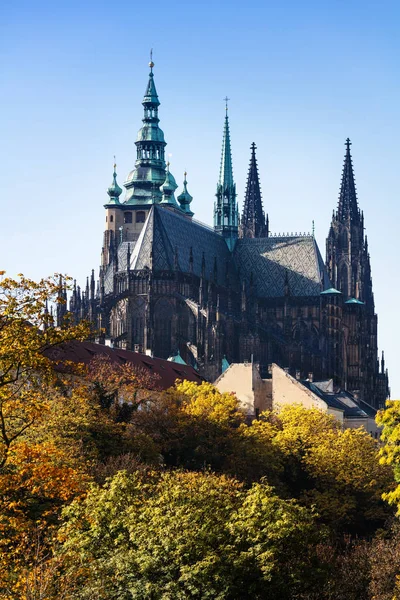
166, 372
166, 232
269, 259
342, 400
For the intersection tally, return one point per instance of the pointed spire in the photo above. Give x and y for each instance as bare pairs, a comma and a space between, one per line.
226, 172
253, 220
143, 182
150, 95
114, 191
92, 286
348, 206
225, 210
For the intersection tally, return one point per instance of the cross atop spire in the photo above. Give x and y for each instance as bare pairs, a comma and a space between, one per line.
226, 100
226, 211
253, 219
348, 206
226, 172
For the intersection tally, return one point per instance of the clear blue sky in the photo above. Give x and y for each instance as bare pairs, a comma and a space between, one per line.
302, 76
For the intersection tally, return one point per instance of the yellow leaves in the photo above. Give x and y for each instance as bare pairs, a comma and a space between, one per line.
204, 400
27, 373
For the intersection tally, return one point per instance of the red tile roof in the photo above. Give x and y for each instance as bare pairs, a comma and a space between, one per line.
84, 352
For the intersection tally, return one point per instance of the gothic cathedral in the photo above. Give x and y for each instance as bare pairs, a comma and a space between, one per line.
171, 286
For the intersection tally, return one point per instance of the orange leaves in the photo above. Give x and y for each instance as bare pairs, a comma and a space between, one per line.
25, 371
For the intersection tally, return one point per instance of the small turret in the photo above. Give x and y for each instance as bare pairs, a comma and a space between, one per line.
185, 199
168, 189
114, 191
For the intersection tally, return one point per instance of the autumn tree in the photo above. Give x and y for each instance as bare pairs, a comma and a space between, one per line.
37, 475
26, 331
389, 420
335, 470
186, 535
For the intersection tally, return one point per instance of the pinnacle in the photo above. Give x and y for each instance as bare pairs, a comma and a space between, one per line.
253, 220
348, 206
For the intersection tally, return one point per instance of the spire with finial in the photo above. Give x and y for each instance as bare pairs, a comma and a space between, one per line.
150, 95
114, 191
143, 182
168, 189
348, 206
225, 210
185, 198
226, 171
253, 223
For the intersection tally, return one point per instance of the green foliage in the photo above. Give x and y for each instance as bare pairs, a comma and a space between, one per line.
389, 420
187, 535
335, 470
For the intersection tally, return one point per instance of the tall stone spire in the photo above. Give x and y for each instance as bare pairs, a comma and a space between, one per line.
225, 208
345, 244
348, 207
253, 223
143, 183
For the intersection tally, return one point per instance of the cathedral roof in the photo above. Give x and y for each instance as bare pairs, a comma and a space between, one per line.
166, 239
271, 260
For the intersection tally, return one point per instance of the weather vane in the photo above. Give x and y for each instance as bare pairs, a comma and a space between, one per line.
226, 100
115, 163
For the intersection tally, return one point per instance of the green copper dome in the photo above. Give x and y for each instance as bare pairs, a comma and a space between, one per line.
168, 189
114, 191
185, 199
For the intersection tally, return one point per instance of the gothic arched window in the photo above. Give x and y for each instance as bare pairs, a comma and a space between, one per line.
162, 328
344, 280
